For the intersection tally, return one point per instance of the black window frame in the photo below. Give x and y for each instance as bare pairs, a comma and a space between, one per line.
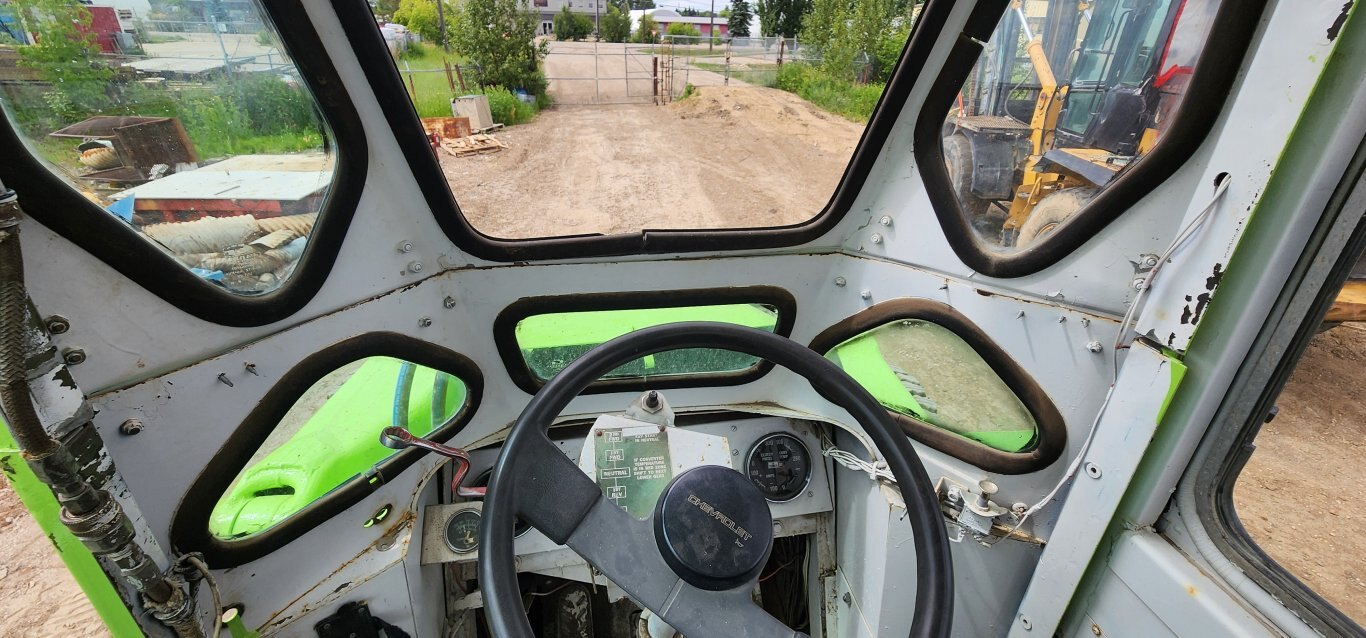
1051, 440
55, 204
1216, 71
505, 332
190, 522
359, 24
1308, 294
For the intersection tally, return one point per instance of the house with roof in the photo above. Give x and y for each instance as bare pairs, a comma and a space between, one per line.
666, 17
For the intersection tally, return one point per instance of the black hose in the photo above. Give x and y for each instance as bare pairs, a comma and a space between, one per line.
14, 396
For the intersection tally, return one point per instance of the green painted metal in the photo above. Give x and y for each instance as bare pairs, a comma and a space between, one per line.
336, 445
84, 568
1178, 372
549, 342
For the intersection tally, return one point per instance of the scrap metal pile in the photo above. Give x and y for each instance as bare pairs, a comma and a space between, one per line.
242, 253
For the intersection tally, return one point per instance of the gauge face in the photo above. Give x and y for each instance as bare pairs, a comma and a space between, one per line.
462, 531
780, 467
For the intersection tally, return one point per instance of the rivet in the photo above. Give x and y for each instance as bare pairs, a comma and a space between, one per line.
1024, 622
1062, 319
876, 238
130, 427
1094, 347
840, 281
424, 322
448, 302
866, 294
415, 266
848, 600
1085, 321
57, 324
223, 378
886, 220
1093, 470
1139, 282
405, 246
73, 356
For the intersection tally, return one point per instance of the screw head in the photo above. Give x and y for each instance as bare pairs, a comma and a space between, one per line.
1024, 622
57, 324
866, 294
841, 281
405, 246
886, 220
130, 427
1094, 347
734, 452
415, 266
1139, 282
73, 356
424, 322
448, 302
1095, 630
876, 238
1092, 470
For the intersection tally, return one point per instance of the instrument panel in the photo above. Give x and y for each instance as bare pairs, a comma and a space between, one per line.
779, 456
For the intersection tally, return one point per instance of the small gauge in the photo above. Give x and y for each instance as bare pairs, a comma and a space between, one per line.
780, 466
462, 531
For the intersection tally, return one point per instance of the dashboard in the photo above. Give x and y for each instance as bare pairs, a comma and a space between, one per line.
781, 457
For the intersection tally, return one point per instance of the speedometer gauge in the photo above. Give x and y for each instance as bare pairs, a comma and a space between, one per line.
780, 466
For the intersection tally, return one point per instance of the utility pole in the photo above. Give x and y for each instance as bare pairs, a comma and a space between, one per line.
711, 30
441, 24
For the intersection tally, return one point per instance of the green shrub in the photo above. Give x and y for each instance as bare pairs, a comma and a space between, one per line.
683, 30
647, 30
849, 99
506, 108
572, 26
616, 25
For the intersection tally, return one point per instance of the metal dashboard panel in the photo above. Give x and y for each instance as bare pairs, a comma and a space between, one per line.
536, 553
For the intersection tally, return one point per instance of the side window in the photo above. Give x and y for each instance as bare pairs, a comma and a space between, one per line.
330, 437
550, 342
1063, 101
924, 371
187, 121
1292, 496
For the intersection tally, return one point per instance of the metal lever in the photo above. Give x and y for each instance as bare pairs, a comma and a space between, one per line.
399, 438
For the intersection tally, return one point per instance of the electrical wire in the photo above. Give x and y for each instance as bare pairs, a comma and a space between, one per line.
199, 564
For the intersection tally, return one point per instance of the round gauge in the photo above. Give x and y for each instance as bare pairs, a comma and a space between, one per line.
462, 531
780, 466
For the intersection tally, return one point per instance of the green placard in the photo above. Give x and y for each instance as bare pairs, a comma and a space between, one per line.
633, 466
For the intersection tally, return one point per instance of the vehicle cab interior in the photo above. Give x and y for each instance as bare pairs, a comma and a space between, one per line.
326, 380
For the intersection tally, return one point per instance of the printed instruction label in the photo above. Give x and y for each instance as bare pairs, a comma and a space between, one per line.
632, 466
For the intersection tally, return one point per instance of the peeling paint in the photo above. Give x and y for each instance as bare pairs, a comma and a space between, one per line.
1336, 27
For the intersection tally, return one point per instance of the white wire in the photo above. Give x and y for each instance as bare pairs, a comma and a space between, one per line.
879, 470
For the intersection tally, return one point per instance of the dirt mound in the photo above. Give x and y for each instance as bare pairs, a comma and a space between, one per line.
775, 113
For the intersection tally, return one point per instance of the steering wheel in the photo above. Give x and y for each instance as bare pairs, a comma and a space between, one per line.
695, 560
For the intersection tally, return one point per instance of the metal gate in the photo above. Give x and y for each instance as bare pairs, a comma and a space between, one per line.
583, 73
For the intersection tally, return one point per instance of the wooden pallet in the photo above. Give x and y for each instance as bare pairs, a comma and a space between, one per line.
474, 144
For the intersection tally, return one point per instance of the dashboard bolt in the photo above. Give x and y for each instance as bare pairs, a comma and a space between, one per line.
415, 266
424, 322
734, 428
1139, 282
405, 246
73, 356
448, 302
886, 220
810, 493
848, 600
876, 238
1093, 470
866, 294
130, 427
57, 324
1024, 622
1094, 347
734, 452
1085, 321
840, 281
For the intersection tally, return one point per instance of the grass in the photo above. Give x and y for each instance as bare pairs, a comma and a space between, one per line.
852, 100
423, 70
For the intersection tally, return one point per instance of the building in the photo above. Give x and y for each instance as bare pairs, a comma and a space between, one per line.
548, 9
666, 17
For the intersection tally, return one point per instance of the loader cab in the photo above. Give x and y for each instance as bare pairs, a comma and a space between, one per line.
309, 327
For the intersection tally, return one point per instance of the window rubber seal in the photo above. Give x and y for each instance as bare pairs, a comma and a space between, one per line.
359, 25
505, 332
1051, 439
190, 522
1216, 71
55, 204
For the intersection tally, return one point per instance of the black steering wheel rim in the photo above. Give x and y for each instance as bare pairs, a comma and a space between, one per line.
933, 611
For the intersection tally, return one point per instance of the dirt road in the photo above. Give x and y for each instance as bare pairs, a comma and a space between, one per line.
727, 157
38, 597
1297, 496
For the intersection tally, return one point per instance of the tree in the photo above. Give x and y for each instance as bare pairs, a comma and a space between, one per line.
66, 55
647, 30
683, 30
616, 25
642, 4
739, 19
782, 17
572, 26
499, 37
420, 17
851, 35
386, 8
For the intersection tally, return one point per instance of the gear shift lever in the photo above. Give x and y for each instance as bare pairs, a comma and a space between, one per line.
399, 439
